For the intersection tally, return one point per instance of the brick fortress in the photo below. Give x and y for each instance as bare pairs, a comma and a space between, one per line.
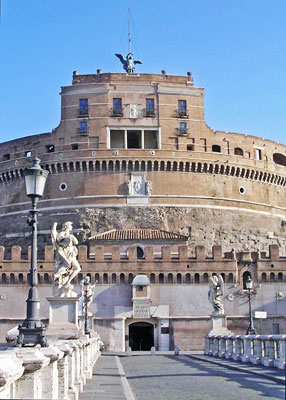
152, 190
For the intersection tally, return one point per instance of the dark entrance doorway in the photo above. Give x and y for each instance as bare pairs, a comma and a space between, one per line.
141, 336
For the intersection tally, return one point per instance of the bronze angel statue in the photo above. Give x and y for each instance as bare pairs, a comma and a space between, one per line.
216, 290
128, 62
66, 263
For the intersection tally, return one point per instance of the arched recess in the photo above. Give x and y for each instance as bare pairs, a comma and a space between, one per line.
279, 159
245, 275
238, 151
141, 336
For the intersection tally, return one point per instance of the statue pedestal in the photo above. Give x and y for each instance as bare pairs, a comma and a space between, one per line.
218, 328
63, 318
219, 325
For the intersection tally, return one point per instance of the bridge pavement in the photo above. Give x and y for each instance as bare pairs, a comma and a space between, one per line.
170, 377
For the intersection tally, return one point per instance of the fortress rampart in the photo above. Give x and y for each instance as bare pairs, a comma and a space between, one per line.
173, 265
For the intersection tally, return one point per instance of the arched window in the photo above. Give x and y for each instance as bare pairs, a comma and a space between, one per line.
179, 279
12, 278
197, 278
245, 275
152, 278
113, 279
279, 159
188, 278
161, 278
96, 278
263, 277
130, 278
105, 278
122, 278
140, 253
216, 148
4, 278
206, 278
21, 278
170, 278
280, 277
223, 276
230, 278
46, 278
238, 151
272, 277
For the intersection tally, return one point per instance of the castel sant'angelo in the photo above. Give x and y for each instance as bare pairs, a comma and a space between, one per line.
154, 194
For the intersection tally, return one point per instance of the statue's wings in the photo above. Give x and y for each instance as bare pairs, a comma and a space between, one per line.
54, 235
121, 58
137, 62
221, 282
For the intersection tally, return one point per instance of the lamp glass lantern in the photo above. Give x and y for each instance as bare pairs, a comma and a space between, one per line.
249, 283
35, 179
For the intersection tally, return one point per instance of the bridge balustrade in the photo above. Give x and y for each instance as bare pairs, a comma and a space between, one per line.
55, 372
267, 350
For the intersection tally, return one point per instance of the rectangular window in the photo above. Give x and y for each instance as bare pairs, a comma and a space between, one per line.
6, 157
74, 146
258, 153
28, 153
83, 106
150, 111
83, 126
117, 103
182, 128
117, 107
182, 108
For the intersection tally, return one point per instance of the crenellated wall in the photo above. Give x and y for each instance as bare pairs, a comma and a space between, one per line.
173, 265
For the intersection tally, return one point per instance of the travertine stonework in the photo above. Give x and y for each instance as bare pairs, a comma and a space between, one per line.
134, 151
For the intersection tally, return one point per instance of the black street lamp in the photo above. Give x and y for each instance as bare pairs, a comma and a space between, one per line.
32, 331
86, 294
249, 284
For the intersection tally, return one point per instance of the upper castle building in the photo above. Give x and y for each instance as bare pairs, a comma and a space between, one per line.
135, 151
134, 155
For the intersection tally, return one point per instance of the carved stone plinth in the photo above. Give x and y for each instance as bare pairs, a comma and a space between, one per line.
63, 318
219, 325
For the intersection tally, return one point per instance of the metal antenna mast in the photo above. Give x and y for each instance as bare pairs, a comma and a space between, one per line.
129, 31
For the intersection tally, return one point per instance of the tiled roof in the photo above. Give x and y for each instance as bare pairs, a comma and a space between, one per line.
138, 234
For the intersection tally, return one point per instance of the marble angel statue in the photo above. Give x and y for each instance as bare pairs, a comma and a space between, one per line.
66, 263
216, 289
87, 294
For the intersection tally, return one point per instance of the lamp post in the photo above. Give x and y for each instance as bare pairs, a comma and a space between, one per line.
249, 285
32, 331
86, 294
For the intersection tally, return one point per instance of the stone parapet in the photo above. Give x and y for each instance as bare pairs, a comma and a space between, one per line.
55, 372
267, 350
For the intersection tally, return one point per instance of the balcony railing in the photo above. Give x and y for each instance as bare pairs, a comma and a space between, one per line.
149, 113
82, 131
117, 112
82, 113
182, 132
182, 114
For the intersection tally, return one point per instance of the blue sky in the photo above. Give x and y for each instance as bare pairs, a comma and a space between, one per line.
235, 49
